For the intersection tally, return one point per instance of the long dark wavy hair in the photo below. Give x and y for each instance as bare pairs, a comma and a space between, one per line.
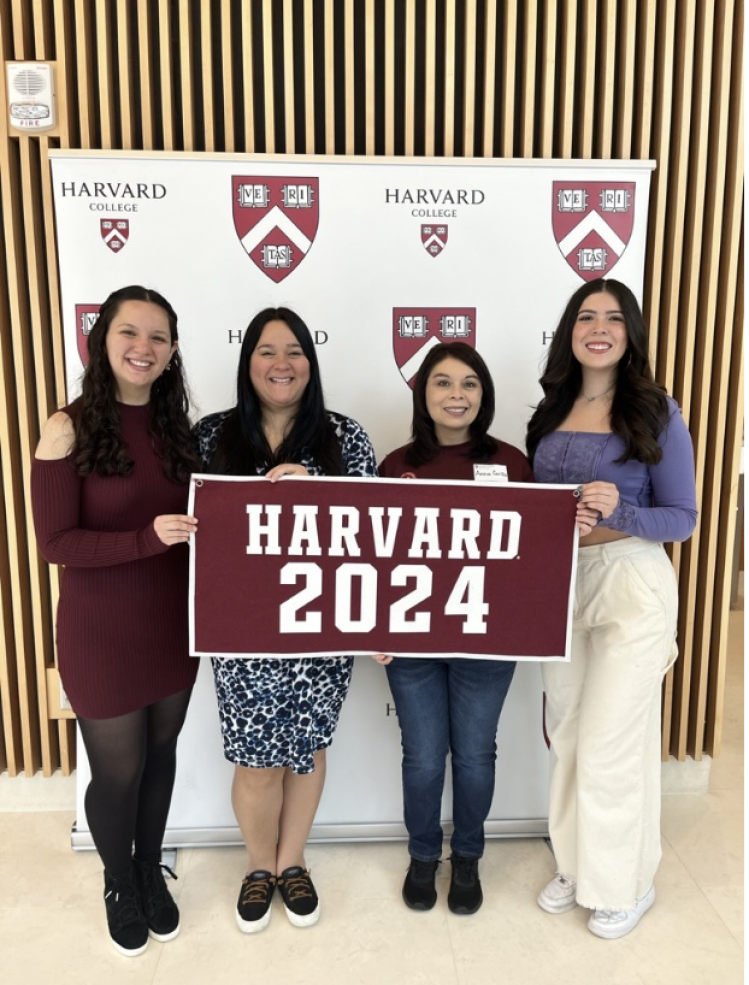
242, 447
98, 446
424, 445
639, 410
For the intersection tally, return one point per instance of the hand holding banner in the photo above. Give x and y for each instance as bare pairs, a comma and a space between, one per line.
321, 566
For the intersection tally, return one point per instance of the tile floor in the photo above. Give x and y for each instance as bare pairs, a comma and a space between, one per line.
52, 929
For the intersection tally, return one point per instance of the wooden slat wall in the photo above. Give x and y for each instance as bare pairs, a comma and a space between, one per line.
585, 79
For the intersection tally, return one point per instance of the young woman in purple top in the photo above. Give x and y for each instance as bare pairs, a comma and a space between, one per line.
605, 424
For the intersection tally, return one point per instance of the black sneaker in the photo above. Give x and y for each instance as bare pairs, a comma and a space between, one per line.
159, 909
255, 898
127, 924
419, 891
465, 895
299, 896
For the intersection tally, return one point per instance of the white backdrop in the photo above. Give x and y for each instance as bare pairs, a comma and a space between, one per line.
499, 258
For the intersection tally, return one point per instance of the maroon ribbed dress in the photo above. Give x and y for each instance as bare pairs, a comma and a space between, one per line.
122, 633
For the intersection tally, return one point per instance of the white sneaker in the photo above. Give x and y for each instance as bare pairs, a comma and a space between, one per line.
617, 923
559, 895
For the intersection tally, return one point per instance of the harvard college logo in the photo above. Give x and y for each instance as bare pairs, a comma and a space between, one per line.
85, 318
276, 220
593, 223
115, 233
434, 239
417, 330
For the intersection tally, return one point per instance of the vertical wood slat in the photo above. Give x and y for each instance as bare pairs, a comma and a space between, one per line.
643, 110
448, 120
369, 77
146, 72
605, 95
469, 79
104, 74
64, 74
125, 52
626, 49
580, 79
568, 69
248, 84
587, 68
84, 73
410, 81
22, 26
661, 151
509, 65
286, 46
348, 72
548, 79
288, 77
206, 72
227, 80
489, 68
330, 79
430, 80
309, 81
184, 12
528, 87
165, 78
389, 77
268, 87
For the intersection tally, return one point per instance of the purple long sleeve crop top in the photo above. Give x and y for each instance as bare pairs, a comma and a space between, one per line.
656, 502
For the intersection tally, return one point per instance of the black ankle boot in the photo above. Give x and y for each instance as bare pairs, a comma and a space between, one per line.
160, 910
465, 895
419, 892
127, 924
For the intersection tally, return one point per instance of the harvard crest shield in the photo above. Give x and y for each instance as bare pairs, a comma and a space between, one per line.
592, 223
85, 318
417, 330
115, 233
276, 220
434, 238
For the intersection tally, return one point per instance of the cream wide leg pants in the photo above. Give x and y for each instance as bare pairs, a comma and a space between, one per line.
603, 716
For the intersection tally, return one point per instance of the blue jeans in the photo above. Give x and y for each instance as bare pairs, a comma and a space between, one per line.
448, 705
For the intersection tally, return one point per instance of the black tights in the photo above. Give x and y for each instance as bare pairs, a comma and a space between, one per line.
133, 760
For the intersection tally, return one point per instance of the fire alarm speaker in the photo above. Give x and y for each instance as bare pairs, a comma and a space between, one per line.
31, 95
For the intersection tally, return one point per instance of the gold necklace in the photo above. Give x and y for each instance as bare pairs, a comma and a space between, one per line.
591, 399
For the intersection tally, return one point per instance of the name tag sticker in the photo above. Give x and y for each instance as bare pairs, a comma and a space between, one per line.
490, 473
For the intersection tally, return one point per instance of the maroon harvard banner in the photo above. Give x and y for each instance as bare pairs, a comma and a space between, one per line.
319, 567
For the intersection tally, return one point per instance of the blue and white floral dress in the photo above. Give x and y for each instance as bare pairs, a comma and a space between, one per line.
280, 712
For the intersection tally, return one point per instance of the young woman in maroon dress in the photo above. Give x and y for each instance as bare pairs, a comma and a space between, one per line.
109, 490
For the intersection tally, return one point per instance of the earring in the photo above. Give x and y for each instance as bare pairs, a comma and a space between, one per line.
168, 367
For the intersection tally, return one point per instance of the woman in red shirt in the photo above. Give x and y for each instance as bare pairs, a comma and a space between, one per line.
449, 704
